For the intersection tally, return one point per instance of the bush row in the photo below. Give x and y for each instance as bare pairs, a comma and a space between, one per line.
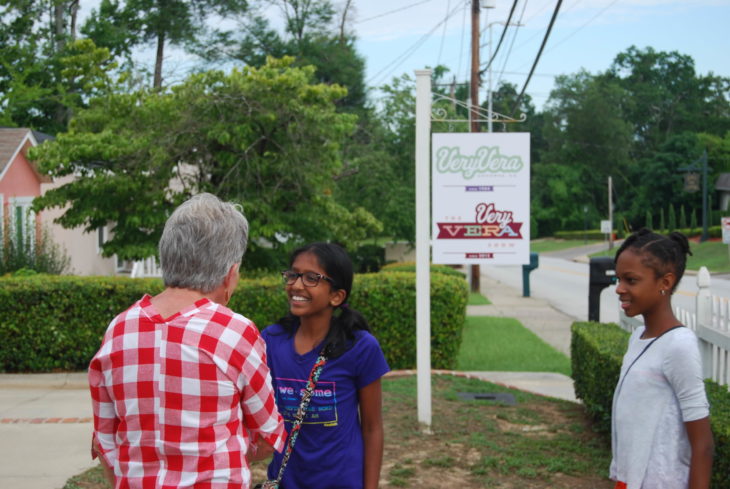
55, 323
596, 354
594, 234
410, 266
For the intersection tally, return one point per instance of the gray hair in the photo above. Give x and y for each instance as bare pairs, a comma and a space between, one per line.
202, 239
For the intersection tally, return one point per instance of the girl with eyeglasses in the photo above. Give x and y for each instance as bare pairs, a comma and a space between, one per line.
340, 442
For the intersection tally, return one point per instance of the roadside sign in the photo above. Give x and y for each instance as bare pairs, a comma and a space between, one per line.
725, 222
606, 226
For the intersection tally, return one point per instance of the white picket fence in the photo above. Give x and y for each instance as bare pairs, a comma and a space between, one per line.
146, 268
711, 323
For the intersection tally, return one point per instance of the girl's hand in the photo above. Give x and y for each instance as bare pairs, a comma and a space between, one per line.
371, 419
703, 449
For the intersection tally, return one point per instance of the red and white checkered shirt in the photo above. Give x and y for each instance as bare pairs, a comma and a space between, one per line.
178, 401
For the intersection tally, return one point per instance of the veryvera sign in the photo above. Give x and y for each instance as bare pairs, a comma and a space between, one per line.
481, 198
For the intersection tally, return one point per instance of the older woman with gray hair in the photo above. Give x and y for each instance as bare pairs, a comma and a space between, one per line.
180, 388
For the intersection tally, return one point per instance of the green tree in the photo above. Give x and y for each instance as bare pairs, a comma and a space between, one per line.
682, 218
182, 23
138, 155
668, 97
586, 146
649, 223
672, 219
693, 221
662, 227
33, 39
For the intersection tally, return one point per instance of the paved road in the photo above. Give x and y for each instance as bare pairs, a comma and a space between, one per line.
562, 279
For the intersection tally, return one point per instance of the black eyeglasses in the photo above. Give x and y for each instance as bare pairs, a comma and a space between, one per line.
309, 279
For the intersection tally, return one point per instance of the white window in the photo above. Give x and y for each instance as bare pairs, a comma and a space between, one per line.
101, 238
22, 222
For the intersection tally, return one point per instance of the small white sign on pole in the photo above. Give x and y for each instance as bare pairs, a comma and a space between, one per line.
606, 226
481, 198
725, 223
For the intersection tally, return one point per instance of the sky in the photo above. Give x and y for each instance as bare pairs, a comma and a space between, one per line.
400, 36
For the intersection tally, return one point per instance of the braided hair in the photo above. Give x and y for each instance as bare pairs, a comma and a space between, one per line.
663, 254
337, 265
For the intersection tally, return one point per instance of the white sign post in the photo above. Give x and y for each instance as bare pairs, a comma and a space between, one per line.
725, 224
423, 248
481, 198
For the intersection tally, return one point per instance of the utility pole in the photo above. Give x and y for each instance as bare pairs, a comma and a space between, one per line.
475, 82
610, 213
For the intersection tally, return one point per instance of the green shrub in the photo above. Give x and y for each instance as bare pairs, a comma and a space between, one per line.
719, 398
55, 323
388, 301
51, 322
368, 258
594, 234
596, 353
409, 266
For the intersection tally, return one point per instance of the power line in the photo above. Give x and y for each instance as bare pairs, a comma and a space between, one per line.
392, 11
514, 37
443, 34
539, 53
501, 38
413, 48
461, 46
582, 26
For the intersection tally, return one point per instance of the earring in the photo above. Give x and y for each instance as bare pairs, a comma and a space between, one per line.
663, 292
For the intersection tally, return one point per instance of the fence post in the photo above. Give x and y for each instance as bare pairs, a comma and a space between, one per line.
704, 318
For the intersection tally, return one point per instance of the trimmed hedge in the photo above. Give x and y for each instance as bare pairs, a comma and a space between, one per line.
596, 354
594, 234
55, 323
409, 266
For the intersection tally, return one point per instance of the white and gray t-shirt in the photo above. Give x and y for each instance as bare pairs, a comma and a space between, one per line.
663, 390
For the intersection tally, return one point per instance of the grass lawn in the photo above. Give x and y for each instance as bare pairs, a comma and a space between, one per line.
538, 443
477, 299
544, 245
711, 254
504, 344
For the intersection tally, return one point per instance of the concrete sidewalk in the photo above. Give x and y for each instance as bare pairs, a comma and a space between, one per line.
551, 325
45, 429
45, 419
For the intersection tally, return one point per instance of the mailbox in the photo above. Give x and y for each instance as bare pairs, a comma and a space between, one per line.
526, 269
602, 273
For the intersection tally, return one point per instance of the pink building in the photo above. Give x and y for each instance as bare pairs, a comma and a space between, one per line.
20, 183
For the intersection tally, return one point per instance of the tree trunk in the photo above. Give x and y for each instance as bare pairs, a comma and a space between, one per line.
74, 15
157, 83
344, 18
59, 24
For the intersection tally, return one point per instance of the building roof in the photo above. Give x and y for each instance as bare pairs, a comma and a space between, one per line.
723, 181
12, 140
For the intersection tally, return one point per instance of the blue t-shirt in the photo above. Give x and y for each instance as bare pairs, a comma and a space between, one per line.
329, 450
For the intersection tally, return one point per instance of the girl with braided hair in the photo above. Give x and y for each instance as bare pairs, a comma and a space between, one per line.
661, 436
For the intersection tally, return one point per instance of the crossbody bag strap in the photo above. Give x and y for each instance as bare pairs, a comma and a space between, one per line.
301, 412
621, 383
647, 347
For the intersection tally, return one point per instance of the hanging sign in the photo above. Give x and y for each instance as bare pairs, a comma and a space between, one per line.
481, 198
